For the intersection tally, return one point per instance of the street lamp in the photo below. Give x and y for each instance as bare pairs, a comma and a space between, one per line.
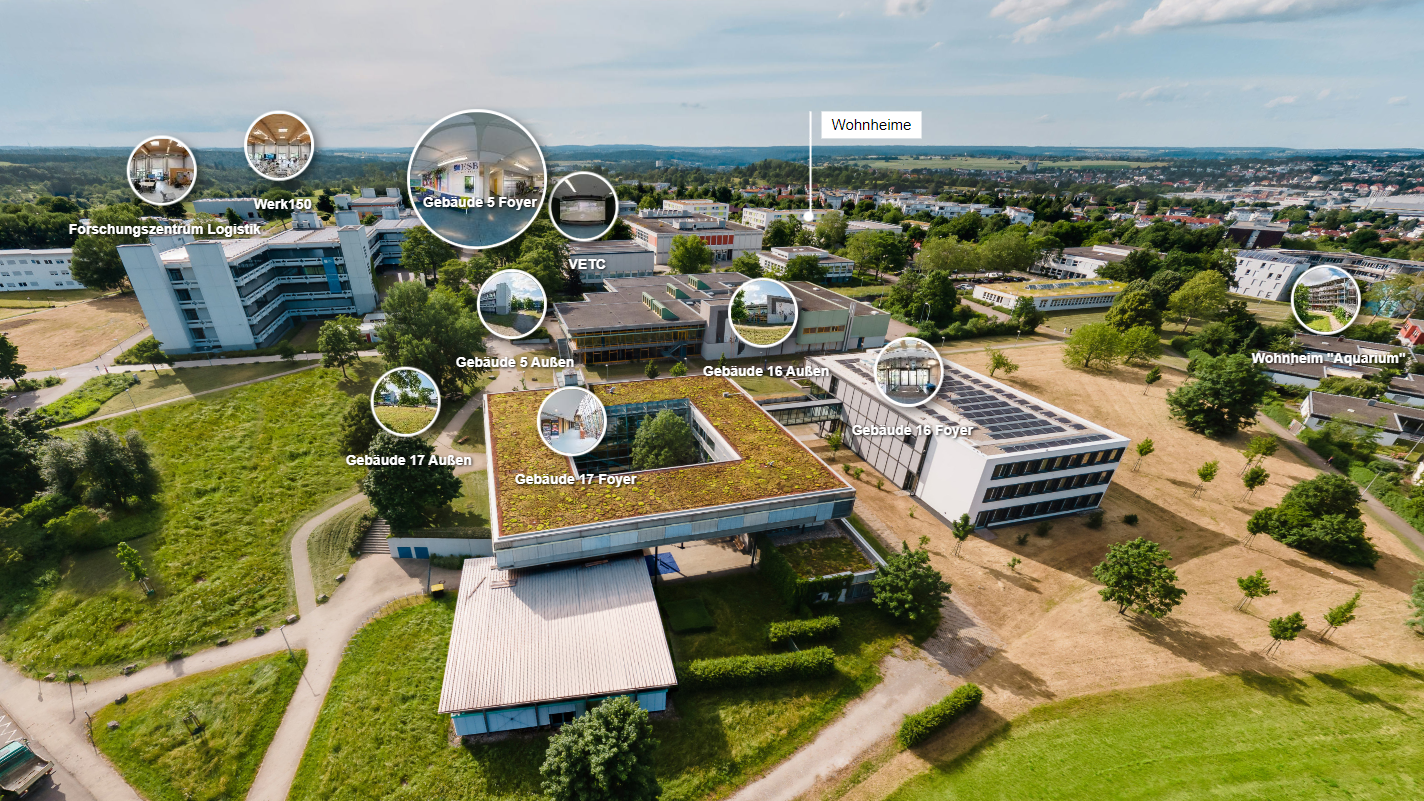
283, 629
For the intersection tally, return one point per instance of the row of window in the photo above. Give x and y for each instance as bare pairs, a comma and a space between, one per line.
34, 261
1007, 513
1047, 485
1032, 466
825, 329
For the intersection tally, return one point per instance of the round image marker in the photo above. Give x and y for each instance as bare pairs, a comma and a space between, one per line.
1325, 300
477, 179
279, 145
572, 421
583, 206
763, 313
512, 304
161, 170
908, 371
405, 401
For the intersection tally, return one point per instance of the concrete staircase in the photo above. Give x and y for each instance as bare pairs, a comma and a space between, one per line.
375, 539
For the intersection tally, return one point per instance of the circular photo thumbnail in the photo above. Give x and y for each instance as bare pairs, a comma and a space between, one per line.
583, 206
908, 371
572, 421
405, 401
1326, 300
477, 179
162, 170
512, 304
279, 145
763, 313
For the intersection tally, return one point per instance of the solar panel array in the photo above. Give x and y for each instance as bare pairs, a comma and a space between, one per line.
1066, 285
1057, 443
983, 404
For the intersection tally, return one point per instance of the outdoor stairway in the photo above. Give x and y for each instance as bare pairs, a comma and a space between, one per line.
375, 539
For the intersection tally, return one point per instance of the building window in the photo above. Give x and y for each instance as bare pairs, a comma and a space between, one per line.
175, 275
198, 333
191, 314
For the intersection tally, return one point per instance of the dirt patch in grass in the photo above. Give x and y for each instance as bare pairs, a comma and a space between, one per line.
73, 334
405, 419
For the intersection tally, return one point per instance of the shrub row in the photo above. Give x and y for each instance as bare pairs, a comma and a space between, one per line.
740, 671
922, 724
819, 628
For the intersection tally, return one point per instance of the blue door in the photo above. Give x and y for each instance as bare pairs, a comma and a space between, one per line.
422, 553
403, 552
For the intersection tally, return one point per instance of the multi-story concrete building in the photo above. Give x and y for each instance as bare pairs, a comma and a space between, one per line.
1055, 296
25, 270
495, 300
773, 261
712, 208
776, 310
1327, 293
611, 258
762, 217
1267, 274
656, 229
1021, 460
1080, 263
240, 294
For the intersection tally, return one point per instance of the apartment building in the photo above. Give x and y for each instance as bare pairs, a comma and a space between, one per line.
495, 300
1080, 263
758, 217
712, 208
25, 270
656, 229
1267, 274
773, 261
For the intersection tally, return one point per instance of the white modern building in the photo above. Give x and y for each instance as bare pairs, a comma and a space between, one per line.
611, 258
25, 270
242, 294
1267, 274
712, 208
656, 229
758, 217
1052, 296
1023, 459
773, 261
1080, 263
495, 300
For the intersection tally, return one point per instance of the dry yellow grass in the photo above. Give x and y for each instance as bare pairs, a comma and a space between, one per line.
73, 334
1062, 640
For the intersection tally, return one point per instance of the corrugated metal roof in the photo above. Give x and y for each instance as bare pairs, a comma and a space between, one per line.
573, 632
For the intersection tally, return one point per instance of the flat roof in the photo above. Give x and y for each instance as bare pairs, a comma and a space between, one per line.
607, 246
1341, 345
1109, 253
660, 225
1362, 411
772, 464
1005, 420
622, 305
1058, 288
523, 637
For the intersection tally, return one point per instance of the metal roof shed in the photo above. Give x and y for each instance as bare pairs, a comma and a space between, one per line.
533, 647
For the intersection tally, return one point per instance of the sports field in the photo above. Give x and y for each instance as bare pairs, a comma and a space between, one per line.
405, 419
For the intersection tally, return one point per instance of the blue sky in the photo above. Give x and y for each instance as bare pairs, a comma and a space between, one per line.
1290, 73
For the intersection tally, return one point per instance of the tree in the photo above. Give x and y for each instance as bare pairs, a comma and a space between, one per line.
430, 330
907, 587
1009, 252
357, 427
423, 252
947, 254
339, 341
650, 370
739, 309
1320, 516
1136, 577
1223, 396
780, 233
835, 440
1399, 295
689, 254
231, 217
325, 203
663, 441
1027, 316
831, 231
678, 370
1340, 615
286, 350
1144, 449
606, 754
1252, 587
722, 360
804, 268
1284, 629
130, 561
10, 366
1199, 298
1260, 447
1255, 477
101, 469
876, 251
281, 209
1153, 376
146, 351
96, 263
998, 361
1207, 474
1416, 604
961, 529
1093, 345
404, 493
1140, 345
747, 264
21, 439
1133, 308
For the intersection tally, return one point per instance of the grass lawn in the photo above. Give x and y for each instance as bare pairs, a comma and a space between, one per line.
767, 385
1356, 733
238, 708
47, 297
87, 399
861, 292
304, 340
471, 436
513, 324
74, 333
823, 557
329, 546
406, 419
1270, 311
470, 509
238, 470
1324, 323
170, 383
1064, 321
761, 334
378, 735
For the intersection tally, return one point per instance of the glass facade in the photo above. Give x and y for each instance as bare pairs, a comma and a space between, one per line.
1033, 466
1005, 491
1008, 513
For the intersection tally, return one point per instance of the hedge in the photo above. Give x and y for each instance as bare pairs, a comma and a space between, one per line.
740, 671
922, 724
819, 628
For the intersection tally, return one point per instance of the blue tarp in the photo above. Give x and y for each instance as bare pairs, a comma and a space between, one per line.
661, 564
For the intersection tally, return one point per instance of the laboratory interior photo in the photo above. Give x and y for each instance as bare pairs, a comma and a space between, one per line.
572, 421
279, 145
162, 170
476, 155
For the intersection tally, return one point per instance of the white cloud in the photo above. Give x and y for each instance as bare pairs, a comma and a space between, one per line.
1322, 94
1022, 11
1044, 119
1190, 13
1039, 15
1163, 93
1283, 100
1401, 100
933, 46
906, 8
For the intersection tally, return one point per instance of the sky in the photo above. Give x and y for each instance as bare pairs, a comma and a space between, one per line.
521, 284
1111, 73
